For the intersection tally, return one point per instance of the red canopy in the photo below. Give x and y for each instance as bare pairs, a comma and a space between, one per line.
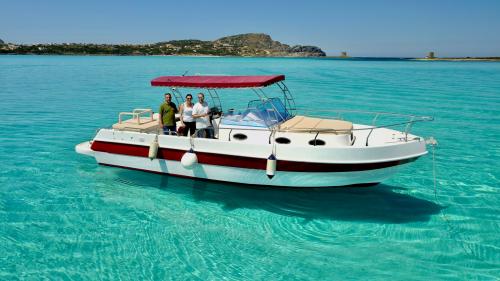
217, 81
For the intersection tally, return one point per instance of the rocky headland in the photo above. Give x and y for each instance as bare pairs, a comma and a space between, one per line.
247, 45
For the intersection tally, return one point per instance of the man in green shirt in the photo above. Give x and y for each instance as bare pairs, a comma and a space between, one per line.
167, 116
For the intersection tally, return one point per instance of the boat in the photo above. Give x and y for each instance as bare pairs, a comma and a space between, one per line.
270, 142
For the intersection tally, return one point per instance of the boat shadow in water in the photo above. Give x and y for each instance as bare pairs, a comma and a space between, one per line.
381, 203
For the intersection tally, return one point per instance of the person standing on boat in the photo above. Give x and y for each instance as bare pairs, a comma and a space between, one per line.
187, 120
167, 115
201, 113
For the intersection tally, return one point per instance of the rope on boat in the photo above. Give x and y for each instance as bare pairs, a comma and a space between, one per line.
432, 141
273, 139
452, 229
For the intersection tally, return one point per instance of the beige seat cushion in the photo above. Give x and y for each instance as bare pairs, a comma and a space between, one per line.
147, 125
303, 123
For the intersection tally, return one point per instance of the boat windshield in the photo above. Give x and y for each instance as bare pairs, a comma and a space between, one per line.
258, 114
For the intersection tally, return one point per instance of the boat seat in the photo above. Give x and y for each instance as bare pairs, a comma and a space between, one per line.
144, 125
303, 123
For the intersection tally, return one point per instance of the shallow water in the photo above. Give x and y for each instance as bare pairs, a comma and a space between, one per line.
64, 217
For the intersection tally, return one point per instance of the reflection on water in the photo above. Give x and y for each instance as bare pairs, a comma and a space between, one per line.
379, 203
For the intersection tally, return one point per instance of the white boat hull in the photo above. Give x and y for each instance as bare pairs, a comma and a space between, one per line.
245, 163
246, 176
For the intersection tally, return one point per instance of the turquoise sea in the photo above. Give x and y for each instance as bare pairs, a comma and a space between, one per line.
63, 217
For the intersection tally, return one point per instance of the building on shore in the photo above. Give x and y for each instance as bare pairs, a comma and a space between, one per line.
343, 54
430, 55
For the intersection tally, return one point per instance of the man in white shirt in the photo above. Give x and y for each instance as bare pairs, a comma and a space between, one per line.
201, 113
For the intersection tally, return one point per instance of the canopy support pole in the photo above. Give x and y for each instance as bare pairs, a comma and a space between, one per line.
214, 96
288, 98
177, 96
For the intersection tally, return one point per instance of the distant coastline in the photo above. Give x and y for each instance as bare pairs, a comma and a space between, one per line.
242, 45
460, 59
495, 59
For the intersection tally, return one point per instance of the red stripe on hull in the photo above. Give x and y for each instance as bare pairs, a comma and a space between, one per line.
120, 148
240, 161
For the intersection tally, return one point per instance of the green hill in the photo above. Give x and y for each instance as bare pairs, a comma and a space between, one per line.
251, 44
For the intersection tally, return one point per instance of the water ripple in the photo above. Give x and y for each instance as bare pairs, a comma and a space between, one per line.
64, 217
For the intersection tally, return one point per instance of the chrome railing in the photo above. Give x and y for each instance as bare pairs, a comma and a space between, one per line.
404, 120
410, 119
136, 115
407, 120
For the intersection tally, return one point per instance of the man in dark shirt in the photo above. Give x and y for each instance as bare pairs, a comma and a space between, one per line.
167, 115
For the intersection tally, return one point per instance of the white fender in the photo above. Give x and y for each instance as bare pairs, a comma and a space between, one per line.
153, 149
189, 159
271, 166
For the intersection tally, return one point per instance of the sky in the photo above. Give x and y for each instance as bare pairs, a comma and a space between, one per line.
379, 28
